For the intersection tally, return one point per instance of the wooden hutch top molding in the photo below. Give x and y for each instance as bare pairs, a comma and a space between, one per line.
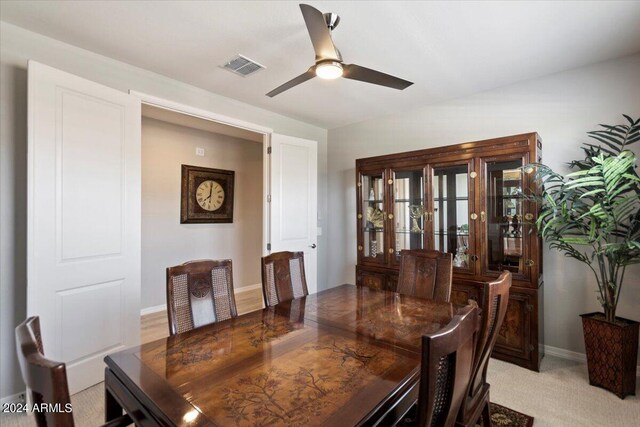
523, 141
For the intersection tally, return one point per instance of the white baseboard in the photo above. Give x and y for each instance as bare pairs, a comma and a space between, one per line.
571, 355
565, 354
248, 288
155, 309
15, 398
163, 307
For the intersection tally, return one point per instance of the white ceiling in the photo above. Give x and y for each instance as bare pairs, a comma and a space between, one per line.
449, 49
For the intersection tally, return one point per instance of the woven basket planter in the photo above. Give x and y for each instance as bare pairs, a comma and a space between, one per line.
612, 352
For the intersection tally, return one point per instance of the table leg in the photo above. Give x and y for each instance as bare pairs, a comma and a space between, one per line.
112, 408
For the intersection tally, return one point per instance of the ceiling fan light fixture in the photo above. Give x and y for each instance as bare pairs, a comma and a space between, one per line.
329, 70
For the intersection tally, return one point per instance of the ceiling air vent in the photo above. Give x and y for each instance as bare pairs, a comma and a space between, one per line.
242, 65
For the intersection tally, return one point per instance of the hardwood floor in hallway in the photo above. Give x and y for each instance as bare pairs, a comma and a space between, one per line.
154, 326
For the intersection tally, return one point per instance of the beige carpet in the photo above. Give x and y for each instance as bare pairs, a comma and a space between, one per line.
558, 396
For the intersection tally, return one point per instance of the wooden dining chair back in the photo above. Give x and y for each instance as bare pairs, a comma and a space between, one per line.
425, 274
46, 379
494, 306
283, 277
445, 370
199, 293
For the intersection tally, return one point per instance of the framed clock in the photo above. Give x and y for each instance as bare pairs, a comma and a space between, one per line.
207, 195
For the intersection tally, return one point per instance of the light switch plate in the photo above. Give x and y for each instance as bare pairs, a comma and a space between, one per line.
199, 151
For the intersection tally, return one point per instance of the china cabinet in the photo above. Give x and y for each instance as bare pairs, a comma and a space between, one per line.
465, 199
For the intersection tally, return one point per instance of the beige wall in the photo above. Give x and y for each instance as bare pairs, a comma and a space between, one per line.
165, 147
16, 47
561, 108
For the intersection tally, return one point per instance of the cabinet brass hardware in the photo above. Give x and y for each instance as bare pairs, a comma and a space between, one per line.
529, 263
390, 216
359, 184
530, 307
430, 216
473, 174
359, 216
483, 216
360, 248
474, 216
390, 250
474, 257
528, 216
390, 181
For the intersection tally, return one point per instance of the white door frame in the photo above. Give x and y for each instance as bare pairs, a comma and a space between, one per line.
230, 121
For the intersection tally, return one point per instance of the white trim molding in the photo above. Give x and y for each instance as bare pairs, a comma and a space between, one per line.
163, 307
198, 112
14, 398
571, 355
154, 309
564, 354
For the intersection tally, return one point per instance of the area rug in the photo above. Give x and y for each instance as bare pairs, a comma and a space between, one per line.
505, 417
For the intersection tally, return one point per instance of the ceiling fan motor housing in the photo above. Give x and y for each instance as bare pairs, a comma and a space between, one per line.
332, 20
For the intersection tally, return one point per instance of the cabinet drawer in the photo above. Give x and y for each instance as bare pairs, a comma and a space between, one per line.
462, 293
370, 279
392, 282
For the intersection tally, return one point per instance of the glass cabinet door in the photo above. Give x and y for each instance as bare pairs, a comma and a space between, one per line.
371, 218
408, 211
503, 217
450, 212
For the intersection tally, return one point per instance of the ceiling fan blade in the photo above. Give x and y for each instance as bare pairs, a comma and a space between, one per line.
293, 82
356, 72
319, 33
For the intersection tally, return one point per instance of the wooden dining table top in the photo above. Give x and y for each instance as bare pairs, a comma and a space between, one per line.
332, 358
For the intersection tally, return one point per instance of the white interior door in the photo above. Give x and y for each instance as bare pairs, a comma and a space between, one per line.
83, 220
294, 200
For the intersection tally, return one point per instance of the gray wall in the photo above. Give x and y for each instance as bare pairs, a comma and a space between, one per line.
16, 47
561, 108
165, 148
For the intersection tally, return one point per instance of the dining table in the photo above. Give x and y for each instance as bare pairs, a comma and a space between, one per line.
345, 356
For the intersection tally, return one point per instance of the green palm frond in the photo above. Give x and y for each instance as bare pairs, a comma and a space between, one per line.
596, 207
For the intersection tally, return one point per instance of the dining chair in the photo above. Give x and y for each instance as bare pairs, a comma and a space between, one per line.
283, 277
445, 370
494, 306
199, 293
425, 274
46, 379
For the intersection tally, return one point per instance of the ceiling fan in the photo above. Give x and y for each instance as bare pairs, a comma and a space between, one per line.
329, 64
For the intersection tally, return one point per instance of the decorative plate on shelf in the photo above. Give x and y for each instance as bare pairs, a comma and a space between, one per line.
375, 216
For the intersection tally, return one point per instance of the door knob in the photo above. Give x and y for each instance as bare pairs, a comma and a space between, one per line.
312, 246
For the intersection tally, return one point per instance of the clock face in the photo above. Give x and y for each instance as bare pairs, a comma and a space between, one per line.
210, 195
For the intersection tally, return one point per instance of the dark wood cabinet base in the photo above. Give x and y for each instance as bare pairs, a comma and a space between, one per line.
520, 337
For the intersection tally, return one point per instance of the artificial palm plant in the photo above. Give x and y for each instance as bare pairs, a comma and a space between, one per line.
593, 214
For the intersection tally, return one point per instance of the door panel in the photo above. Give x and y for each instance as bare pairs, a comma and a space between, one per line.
372, 219
294, 200
408, 212
83, 220
451, 213
505, 227
514, 337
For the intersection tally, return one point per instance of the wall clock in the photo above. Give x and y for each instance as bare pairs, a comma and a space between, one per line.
207, 195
